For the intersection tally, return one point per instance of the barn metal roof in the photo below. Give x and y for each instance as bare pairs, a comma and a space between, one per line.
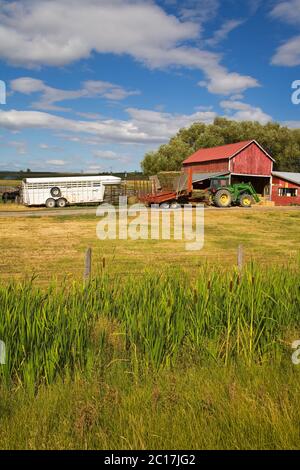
197, 177
224, 152
289, 176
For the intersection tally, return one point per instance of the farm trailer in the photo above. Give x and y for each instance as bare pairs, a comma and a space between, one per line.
220, 192
63, 191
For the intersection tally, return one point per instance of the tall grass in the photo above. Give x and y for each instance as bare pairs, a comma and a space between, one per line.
149, 323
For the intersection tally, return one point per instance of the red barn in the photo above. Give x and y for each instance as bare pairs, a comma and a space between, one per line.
286, 188
243, 162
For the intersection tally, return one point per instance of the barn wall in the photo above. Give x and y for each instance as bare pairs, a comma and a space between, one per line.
252, 161
208, 167
284, 200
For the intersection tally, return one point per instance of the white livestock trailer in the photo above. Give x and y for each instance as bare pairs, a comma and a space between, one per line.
62, 191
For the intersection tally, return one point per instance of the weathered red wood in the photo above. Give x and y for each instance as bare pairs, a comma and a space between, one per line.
251, 161
284, 200
208, 167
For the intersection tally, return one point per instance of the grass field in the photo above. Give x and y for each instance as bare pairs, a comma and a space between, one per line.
10, 182
55, 246
163, 349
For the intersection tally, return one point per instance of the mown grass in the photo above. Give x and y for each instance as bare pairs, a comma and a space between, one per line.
54, 246
10, 182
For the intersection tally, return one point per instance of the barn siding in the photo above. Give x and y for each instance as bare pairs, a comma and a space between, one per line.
251, 161
284, 200
208, 167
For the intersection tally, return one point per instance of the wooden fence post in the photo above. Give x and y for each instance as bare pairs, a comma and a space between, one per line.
88, 264
240, 258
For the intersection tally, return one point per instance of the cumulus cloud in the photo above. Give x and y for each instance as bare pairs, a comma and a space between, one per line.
288, 54
199, 12
49, 147
50, 95
292, 124
56, 162
288, 11
223, 32
143, 126
59, 32
240, 111
106, 155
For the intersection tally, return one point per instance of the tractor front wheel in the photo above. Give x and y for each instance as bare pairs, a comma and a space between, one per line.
245, 200
223, 198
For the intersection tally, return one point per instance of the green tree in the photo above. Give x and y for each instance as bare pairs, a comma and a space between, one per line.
281, 142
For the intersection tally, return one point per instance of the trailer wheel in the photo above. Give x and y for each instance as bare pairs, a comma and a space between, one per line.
175, 205
245, 200
50, 203
223, 198
165, 205
55, 192
61, 202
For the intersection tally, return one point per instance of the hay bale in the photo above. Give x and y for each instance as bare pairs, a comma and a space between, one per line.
168, 179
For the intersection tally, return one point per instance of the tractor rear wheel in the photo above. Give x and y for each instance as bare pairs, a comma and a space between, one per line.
223, 198
245, 200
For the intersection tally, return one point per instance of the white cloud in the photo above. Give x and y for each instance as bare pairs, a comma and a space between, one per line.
199, 12
49, 147
94, 168
106, 155
228, 83
223, 32
56, 162
240, 111
59, 32
288, 11
288, 54
292, 124
143, 126
50, 96
95, 116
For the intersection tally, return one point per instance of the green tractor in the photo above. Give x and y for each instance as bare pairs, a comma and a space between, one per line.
223, 194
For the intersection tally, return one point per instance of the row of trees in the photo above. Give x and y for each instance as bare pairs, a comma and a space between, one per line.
281, 142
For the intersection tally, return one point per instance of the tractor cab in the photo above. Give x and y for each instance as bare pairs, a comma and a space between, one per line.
218, 182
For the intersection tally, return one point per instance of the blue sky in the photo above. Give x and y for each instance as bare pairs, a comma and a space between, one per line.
93, 85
